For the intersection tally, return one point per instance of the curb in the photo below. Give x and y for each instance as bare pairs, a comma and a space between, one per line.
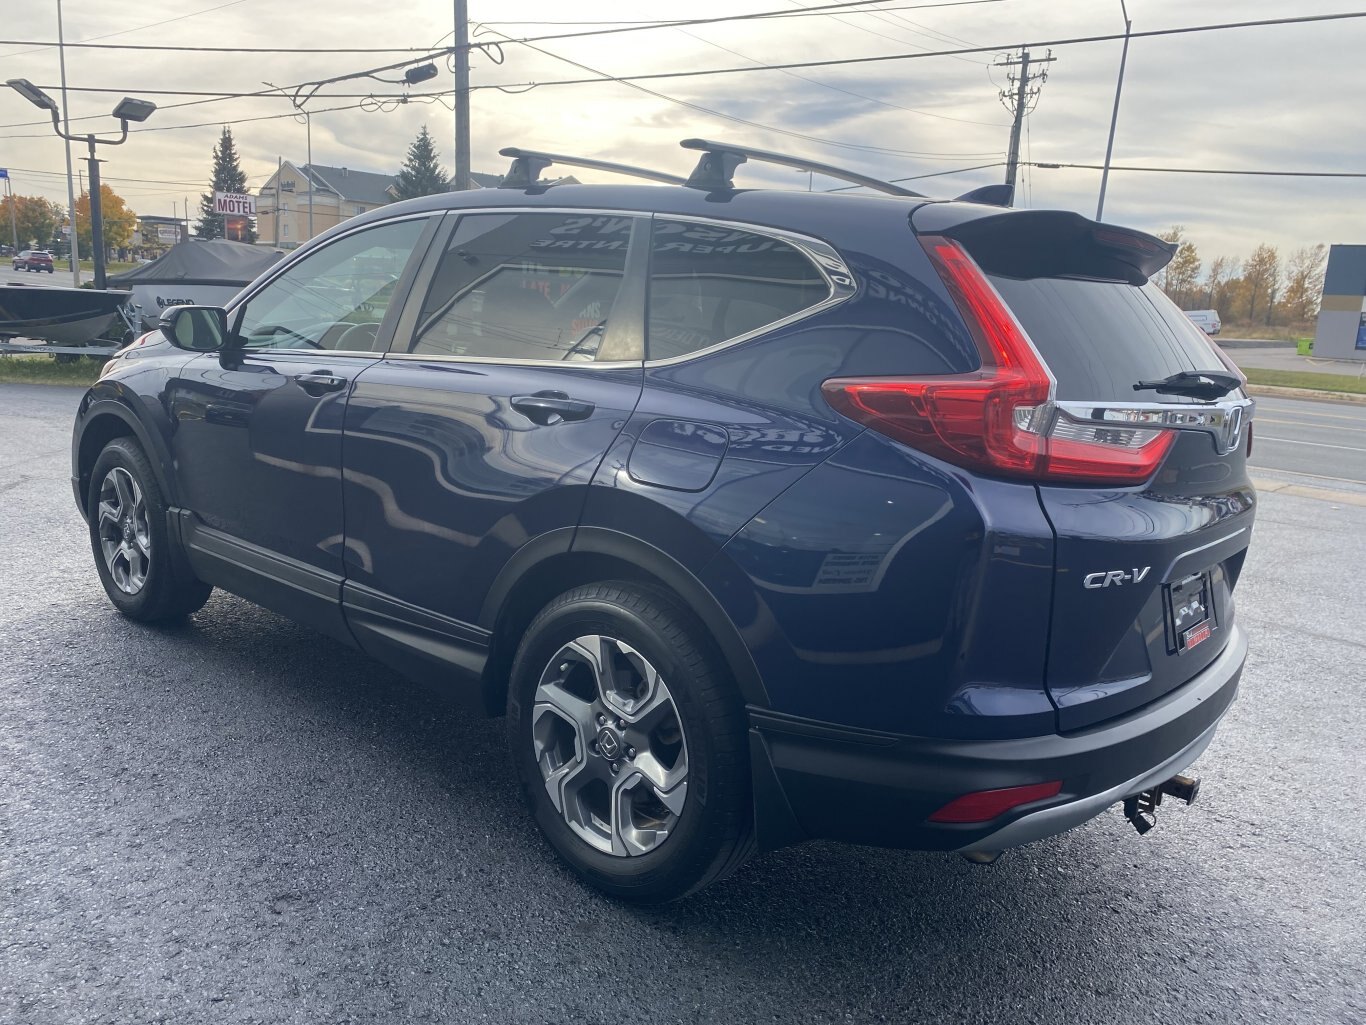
1309, 491
1276, 391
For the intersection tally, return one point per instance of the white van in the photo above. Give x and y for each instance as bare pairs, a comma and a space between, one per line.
1206, 320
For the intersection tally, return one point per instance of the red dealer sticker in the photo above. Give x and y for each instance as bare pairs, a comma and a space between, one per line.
1194, 636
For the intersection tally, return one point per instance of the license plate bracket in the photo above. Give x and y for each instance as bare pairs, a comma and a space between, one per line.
1190, 611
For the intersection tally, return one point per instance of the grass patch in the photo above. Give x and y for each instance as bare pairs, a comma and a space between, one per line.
36, 369
1306, 379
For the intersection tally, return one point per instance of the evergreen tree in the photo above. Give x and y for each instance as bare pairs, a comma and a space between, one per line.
422, 173
228, 176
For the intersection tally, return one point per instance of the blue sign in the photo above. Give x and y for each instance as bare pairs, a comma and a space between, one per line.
1361, 333
4, 172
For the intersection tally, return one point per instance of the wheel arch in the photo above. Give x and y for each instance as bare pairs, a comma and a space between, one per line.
103, 421
567, 558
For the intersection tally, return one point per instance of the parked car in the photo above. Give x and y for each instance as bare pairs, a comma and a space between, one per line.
6, 250
1206, 320
32, 260
763, 515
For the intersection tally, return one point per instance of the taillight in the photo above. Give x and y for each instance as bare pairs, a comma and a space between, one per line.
999, 419
985, 805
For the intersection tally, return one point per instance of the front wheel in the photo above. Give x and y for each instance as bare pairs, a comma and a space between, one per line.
630, 741
130, 540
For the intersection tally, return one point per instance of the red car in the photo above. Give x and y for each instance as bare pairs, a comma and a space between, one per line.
33, 259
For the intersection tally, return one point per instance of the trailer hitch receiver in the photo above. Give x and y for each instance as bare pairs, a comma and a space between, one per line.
1141, 809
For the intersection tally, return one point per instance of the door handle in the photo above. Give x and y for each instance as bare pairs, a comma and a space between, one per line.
548, 408
320, 381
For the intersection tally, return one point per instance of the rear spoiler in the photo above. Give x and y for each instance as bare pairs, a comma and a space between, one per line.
1047, 243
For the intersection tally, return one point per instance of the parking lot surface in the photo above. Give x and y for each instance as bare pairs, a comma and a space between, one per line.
238, 820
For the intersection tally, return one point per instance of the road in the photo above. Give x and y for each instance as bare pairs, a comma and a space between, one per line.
9, 276
237, 820
1322, 440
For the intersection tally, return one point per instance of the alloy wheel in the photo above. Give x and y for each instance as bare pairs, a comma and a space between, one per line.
125, 540
609, 742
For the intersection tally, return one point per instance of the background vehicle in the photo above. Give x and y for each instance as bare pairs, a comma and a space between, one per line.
763, 515
32, 260
1206, 320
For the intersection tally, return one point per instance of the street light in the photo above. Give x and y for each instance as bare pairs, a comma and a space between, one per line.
128, 109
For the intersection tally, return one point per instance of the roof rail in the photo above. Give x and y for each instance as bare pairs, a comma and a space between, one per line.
720, 159
527, 165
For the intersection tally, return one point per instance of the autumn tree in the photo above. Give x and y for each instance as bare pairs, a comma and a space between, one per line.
118, 221
1304, 283
36, 220
1261, 276
1221, 270
422, 173
228, 176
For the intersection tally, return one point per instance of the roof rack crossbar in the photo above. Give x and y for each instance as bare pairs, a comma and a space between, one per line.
719, 160
527, 165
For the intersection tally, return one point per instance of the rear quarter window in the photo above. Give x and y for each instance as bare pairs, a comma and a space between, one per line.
1100, 338
712, 283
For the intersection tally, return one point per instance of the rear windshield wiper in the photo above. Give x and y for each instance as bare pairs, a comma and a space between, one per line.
1196, 384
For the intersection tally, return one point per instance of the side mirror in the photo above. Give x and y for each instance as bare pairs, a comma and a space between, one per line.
195, 328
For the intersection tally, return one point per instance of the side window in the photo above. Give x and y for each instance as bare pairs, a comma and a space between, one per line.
335, 298
527, 286
710, 283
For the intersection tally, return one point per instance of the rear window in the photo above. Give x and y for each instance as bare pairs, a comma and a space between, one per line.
1100, 338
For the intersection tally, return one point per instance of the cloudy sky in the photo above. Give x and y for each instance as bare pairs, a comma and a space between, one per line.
1279, 98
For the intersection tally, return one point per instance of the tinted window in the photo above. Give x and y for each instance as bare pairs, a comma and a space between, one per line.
1100, 338
710, 283
335, 298
527, 286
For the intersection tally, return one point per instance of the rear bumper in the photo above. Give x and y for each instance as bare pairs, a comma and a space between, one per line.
816, 780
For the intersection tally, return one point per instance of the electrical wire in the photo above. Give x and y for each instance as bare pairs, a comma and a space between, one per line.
1207, 170
844, 20
126, 31
604, 76
847, 92
920, 177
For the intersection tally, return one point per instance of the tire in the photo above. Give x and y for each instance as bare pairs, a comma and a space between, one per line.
146, 576
690, 780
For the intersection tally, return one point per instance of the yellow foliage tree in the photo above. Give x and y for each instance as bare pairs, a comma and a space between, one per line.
119, 221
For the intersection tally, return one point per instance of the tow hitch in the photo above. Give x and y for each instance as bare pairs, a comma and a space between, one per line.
1141, 809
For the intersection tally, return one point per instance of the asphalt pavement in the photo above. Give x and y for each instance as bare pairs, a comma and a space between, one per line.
1325, 441
61, 276
237, 820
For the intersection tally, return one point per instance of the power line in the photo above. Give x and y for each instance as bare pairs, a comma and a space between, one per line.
669, 21
843, 20
1207, 170
604, 76
837, 62
43, 45
127, 31
840, 89
932, 174
994, 48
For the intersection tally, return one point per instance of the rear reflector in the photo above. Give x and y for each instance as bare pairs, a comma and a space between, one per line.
999, 419
985, 805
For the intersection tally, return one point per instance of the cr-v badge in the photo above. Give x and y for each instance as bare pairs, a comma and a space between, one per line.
1118, 577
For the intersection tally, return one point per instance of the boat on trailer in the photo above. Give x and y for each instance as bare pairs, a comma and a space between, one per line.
61, 316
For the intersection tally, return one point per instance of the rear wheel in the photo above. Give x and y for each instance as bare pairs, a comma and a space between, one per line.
630, 742
141, 572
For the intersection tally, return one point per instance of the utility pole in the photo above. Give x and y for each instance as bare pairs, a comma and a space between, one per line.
279, 170
13, 213
1021, 97
1114, 114
66, 145
462, 96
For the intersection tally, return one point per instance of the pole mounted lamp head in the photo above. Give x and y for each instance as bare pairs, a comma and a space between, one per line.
130, 109
33, 94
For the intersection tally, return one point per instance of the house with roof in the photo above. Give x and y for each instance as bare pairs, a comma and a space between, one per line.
302, 200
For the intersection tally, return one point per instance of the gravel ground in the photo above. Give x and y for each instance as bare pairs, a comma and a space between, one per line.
239, 821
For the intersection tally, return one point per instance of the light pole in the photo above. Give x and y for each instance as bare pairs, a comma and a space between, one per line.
1114, 115
300, 111
128, 109
13, 212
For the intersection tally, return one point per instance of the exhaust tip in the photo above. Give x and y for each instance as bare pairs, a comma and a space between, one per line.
980, 857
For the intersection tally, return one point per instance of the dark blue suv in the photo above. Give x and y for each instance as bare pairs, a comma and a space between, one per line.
763, 515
